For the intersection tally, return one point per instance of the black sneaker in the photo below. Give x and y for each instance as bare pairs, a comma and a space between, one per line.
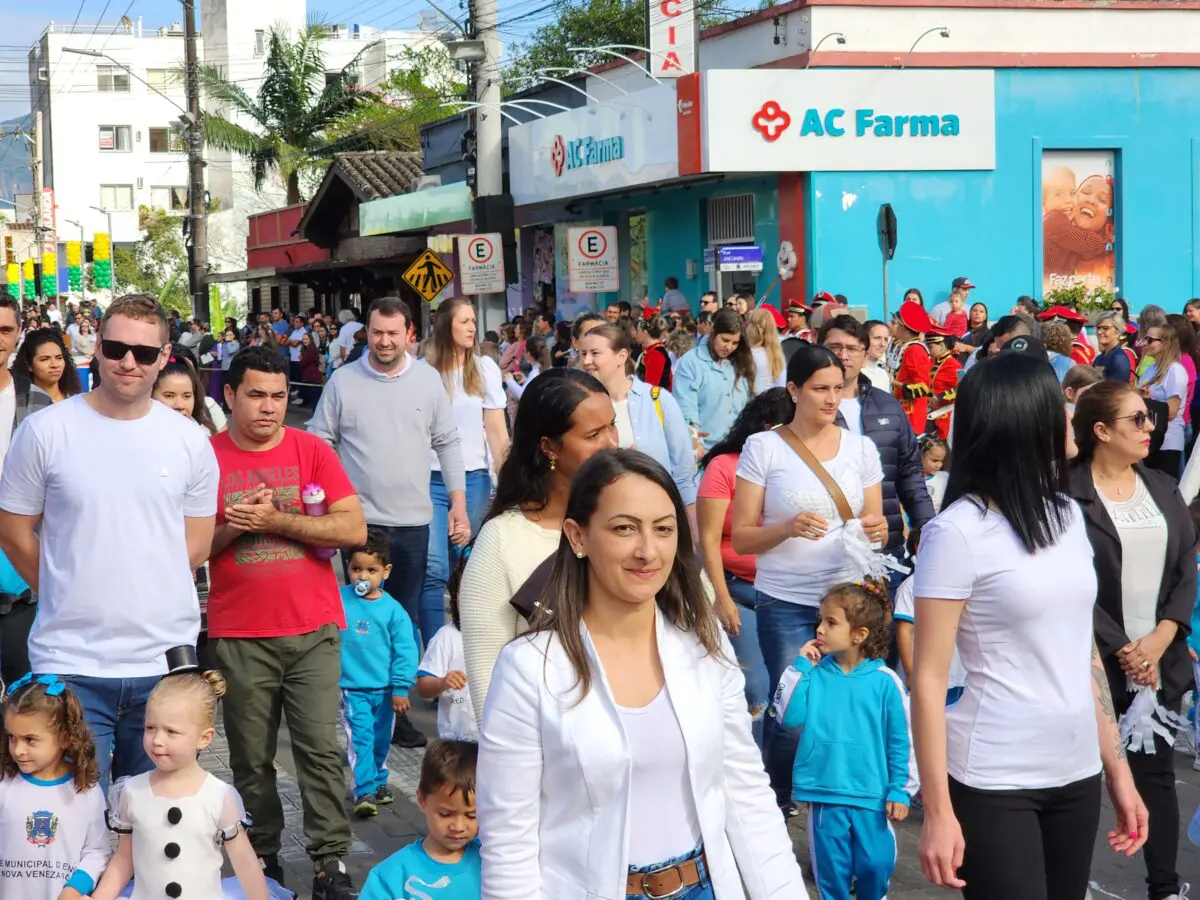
406, 735
332, 882
384, 796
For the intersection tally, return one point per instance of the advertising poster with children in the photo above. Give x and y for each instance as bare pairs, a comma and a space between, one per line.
1078, 239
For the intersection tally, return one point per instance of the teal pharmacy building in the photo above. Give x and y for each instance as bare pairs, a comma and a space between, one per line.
1022, 178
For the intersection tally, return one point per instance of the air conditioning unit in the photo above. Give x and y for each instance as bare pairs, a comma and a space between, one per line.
162, 31
43, 73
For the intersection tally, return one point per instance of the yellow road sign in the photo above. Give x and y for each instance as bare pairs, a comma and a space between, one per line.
428, 275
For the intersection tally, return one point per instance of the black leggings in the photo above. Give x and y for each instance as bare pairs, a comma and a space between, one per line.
1031, 844
14, 641
1154, 776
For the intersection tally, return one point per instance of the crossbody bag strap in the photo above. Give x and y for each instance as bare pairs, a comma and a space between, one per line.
839, 498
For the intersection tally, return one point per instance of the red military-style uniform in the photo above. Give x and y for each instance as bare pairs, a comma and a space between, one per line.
912, 383
944, 384
1083, 353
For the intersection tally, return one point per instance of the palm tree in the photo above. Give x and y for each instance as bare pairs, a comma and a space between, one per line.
296, 104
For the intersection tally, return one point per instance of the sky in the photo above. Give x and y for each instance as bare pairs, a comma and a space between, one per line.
22, 23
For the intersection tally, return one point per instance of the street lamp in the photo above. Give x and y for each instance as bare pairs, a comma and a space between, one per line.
107, 215
841, 39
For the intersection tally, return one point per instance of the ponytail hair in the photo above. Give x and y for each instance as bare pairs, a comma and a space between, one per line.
866, 605
50, 696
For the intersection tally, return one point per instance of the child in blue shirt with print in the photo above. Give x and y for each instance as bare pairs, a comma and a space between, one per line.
446, 865
379, 666
852, 761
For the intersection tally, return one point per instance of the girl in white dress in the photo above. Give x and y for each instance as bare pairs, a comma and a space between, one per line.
174, 820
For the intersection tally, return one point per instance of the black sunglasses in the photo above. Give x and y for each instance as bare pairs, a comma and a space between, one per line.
1139, 420
142, 355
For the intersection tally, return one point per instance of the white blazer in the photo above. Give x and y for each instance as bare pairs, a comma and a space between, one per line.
553, 784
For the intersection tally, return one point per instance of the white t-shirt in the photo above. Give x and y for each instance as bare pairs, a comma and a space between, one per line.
297, 335
800, 570
852, 412
662, 810
47, 831
115, 590
1173, 385
878, 375
905, 612
1142, 529
345, 338
8, 412
940, 311
456, 713
467, 411
762, 372
1027, 719
625, 437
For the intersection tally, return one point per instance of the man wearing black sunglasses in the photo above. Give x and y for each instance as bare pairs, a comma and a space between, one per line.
111, 557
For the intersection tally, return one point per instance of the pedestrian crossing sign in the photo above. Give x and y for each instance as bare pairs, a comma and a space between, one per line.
428, 275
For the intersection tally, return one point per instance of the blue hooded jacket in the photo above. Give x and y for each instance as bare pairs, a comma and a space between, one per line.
854, 744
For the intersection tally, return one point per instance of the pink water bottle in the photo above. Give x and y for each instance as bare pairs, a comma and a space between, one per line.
312, 495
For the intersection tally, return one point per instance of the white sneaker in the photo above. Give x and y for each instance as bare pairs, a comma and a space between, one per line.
1196, 763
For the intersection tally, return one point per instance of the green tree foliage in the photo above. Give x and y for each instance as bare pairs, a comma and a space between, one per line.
157, 264
296, 106
595, 24
414, 93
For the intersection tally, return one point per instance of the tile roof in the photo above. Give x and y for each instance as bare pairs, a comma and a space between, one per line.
378, 173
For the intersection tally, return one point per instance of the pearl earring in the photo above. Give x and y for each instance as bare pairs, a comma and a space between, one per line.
579, 554
552, 464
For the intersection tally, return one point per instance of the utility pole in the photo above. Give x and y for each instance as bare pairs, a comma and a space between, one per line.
39, 231
198, 209
489, 169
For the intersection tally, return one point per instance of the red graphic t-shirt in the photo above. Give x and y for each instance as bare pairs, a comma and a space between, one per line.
264, 585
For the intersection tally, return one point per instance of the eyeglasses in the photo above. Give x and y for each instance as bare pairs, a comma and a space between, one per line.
142, 355
1139, 419
1153, 340
839, 349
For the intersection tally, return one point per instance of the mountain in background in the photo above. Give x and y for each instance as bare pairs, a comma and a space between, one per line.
15, 176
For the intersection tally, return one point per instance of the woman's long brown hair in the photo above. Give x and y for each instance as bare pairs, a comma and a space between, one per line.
441, 353
682, 600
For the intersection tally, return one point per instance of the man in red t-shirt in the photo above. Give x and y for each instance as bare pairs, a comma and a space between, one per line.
275, 613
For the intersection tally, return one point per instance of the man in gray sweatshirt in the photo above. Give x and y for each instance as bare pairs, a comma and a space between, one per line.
383, 413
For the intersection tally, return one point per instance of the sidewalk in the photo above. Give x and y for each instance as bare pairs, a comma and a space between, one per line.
402, 822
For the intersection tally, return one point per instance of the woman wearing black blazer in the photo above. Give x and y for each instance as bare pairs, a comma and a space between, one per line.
1143, 608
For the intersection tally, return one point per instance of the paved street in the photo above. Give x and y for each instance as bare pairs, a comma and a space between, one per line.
401, 823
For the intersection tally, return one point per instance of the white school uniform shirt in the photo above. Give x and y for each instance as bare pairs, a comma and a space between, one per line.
456, 712
554, 777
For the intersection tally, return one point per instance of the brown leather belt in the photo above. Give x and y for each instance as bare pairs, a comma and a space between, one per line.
666, 882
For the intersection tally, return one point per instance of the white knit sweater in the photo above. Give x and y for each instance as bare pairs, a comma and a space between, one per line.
508, 549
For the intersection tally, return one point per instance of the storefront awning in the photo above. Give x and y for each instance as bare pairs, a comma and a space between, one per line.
241, 275
418, 211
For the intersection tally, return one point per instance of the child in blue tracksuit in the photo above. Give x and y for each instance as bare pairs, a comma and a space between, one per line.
446, 864
852, 760
379, 666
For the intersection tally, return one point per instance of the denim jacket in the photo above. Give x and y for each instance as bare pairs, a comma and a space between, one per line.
667, 441
709, 393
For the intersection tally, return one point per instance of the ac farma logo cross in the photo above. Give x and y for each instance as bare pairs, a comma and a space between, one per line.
771, 121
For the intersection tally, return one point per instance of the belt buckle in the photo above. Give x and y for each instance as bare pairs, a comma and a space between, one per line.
653, 896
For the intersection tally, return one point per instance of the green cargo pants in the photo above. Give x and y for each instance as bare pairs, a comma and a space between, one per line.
297, 676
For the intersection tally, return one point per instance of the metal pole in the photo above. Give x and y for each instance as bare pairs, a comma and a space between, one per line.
886, 316
489, 177
39, 231
198, 210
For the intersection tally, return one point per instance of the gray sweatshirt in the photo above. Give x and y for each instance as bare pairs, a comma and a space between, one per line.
382, 428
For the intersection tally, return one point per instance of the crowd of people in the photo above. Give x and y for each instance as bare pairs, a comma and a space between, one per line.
669, 580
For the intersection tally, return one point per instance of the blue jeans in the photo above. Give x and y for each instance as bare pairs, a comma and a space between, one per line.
749, 652
408, 546
443, 555
115, 710
783, 628
700, 891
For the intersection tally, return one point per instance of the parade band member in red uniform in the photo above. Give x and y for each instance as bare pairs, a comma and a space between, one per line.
1082, 353
911, 383
797, 321
945, 374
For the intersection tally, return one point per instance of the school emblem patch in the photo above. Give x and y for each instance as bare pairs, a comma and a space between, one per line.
41, 827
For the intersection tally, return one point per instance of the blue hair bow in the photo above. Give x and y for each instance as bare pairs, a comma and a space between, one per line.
53, 684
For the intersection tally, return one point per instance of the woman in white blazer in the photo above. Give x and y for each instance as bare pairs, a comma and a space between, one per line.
615, 758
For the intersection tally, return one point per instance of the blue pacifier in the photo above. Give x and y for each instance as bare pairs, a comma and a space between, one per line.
362, 587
